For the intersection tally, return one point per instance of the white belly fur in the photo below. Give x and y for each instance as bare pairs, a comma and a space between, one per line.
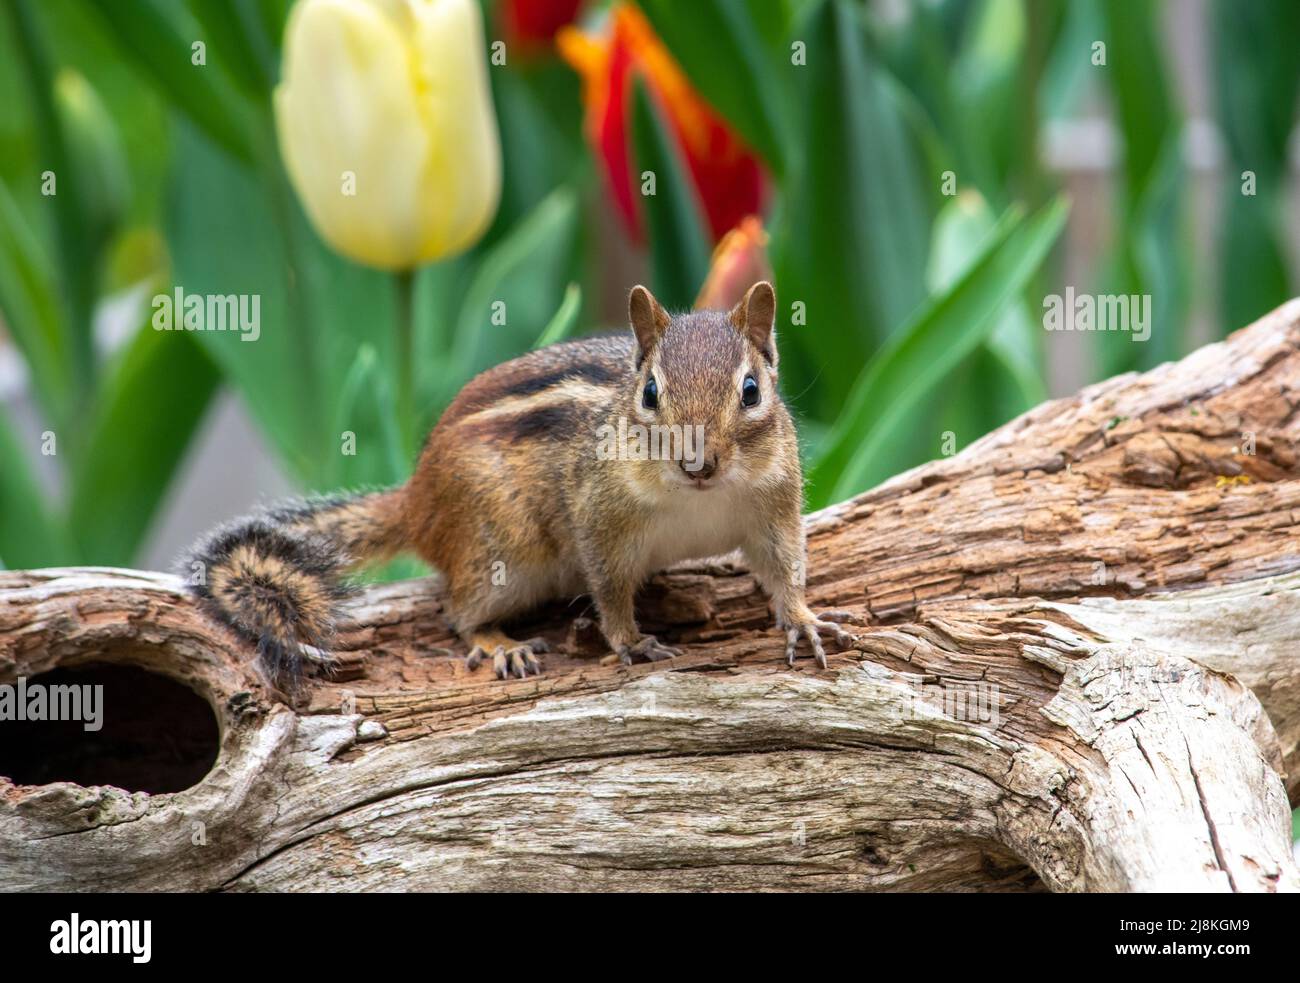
691, 525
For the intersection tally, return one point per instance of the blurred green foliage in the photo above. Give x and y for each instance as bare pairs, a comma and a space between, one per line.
905, 310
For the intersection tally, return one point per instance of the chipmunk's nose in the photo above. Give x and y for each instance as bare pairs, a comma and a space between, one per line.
705, 470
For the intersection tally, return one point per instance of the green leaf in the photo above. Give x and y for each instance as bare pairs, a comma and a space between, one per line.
226, 237
77, 256
542, 144
232, 232
897, 380
237, 37
439, 292
158, 37
1009, 381
1138, 83
151, 404
367, 412
272, 14
565, 320
856, 222
985, 82
720, 45
29, 534
30, 309
1152, 255
94, 143
1255, 276
79, 39
1257, 69
516, 284
1150, 260
338, 307
1067, 73
679, 244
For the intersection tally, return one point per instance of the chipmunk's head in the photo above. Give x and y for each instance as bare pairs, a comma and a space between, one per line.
705, 393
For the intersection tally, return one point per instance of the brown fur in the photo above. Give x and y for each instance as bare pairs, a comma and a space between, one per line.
494, 486
274, 577
512, 502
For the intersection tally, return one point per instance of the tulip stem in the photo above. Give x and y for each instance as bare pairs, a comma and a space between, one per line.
404, 349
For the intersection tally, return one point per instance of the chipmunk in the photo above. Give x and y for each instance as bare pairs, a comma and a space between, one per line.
513, 504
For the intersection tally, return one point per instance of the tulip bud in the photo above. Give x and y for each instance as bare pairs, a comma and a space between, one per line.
739, 261
386, 126
96, 149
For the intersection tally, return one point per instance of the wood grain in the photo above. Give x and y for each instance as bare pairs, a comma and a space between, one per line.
1078, 672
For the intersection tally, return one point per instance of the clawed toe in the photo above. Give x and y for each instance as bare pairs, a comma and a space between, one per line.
518, 659
808, 631
844, 639
648, 648
811, 629
844, 618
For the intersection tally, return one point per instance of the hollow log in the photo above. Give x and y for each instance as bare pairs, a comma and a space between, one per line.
1078, 671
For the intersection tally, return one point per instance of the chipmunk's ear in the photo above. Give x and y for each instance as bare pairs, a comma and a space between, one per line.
754, 316
648, 319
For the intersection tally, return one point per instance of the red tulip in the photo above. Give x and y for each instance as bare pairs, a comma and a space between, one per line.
727, 175
531, 25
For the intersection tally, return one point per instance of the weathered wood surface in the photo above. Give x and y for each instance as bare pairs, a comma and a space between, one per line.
1080, 671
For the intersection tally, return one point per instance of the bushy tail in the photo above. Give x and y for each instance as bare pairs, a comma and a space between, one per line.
275, 577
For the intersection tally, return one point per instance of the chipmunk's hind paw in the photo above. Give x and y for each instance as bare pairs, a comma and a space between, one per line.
844, 618
509, 658
649, 648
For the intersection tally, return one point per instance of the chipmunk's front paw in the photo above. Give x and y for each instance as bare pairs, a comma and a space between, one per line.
510, 659
807, 625
649, 648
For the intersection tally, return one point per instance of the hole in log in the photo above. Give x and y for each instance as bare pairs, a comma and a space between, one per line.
154, 734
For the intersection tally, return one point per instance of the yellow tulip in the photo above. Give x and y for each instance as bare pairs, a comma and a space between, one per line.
385, 122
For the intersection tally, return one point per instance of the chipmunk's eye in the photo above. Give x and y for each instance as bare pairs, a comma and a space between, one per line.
749, 391
650, 395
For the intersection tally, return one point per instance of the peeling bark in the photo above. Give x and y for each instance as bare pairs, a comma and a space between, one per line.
1078, 672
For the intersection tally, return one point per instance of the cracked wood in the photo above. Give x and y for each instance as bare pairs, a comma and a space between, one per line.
1078, 674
